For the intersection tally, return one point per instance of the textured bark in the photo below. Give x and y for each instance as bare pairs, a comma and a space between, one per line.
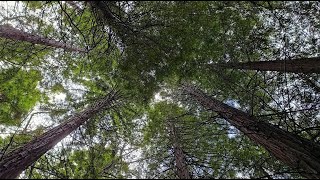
303, 65
9, 32
16, 161
179, 156
291, 149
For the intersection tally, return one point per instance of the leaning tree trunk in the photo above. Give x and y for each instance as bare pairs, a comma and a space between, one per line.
301, 65
179, 156
16, 161
291, 149
9, 32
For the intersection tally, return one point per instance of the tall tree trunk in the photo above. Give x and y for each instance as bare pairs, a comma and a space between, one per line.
124, 30
302, 65
179, 156
16, 161
103, 7
9, 32
291, 149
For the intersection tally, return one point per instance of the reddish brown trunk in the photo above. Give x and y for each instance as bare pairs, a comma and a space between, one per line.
303, 65
9, 32
16, 161
291, 149
179, 156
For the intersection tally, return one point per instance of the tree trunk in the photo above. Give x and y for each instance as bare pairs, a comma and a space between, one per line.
302, 65
16, 161
107, 15
9, 32
179, 156
123, 29
291, 149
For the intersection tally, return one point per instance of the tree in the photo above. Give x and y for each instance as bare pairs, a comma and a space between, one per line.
9, 32
301, 65
291, 149
210, 147
13, 163
179, 156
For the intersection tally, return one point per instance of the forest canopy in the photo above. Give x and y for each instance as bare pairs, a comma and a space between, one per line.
159, 89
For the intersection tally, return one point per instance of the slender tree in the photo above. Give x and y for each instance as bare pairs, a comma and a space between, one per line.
13, 163
291, 149
9, 32
179, 156
301, 65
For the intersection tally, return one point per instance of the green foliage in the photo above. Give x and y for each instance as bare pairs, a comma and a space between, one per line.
34, 4
211, 31
20, 94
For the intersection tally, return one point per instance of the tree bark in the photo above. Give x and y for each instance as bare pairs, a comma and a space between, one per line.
9, 32
291, 149
16, 161
179, 156
302, 65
